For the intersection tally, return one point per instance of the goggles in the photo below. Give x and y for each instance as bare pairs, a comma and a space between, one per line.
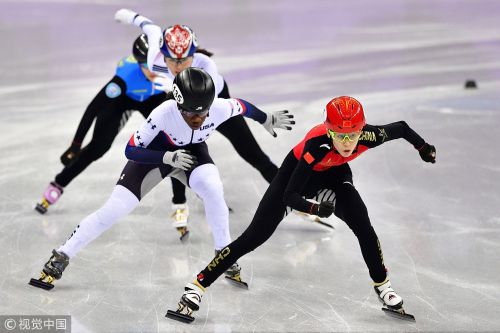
191, 114
342, 137
180, 61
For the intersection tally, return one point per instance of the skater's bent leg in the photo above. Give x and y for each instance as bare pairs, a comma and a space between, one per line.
205, 182
120, 204
179, 191
352, 210
92, 152
269, 214
107, 127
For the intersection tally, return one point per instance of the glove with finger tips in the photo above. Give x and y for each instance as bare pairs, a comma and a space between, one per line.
428, 153
278, 119
324, 209
181, 159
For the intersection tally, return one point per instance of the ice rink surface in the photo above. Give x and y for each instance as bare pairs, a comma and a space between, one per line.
439, 225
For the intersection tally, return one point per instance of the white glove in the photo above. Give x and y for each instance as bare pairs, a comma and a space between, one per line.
162, 83
278, 119
125, 16
181, 159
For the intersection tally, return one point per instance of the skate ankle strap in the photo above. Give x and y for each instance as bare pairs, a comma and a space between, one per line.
378, 284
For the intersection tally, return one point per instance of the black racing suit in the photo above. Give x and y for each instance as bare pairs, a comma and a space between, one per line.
314, 169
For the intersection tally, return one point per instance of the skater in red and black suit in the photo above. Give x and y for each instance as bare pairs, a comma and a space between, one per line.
317, 168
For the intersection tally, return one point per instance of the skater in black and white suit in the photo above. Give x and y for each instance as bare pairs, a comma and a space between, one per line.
171, 143
171, 51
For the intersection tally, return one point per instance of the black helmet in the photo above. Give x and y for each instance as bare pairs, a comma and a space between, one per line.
194, 90
140, 48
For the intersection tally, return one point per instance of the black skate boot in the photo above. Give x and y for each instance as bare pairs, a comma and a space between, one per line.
190, 301
393, 303
52, 269
232, 274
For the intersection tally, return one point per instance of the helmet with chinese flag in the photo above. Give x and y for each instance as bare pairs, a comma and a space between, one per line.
344, 114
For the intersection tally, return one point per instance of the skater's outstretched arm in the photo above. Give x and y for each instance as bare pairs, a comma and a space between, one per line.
155, 37
270, 120
375, 135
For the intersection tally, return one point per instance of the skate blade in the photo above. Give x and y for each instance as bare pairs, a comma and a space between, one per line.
40, 208
315, 219
399, 314
237, 282
179, 316
323, 223
41, 284
184, 235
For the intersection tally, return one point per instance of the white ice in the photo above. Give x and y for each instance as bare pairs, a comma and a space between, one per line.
439, 225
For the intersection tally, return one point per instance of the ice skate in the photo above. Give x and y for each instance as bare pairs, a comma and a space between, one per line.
232, 274
50, 197
180, 217
393, 303
190, 301
52, 269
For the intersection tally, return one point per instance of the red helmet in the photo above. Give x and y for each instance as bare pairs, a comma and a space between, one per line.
344, 114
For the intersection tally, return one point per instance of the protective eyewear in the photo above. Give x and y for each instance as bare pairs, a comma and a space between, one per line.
191, 114
341, 137
180, 61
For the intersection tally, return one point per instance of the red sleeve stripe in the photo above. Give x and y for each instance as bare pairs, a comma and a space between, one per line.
131, 141
243, 106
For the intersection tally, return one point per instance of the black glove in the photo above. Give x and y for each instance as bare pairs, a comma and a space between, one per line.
428, 153
70, 155
324, 209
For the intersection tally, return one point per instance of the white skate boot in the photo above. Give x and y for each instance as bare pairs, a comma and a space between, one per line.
393, 303
50, 197
180, 215
190, 301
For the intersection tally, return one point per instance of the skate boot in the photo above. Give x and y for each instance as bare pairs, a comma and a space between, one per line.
190, 301
50, 197
52, 269
393, 303
232, 274
180, 217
